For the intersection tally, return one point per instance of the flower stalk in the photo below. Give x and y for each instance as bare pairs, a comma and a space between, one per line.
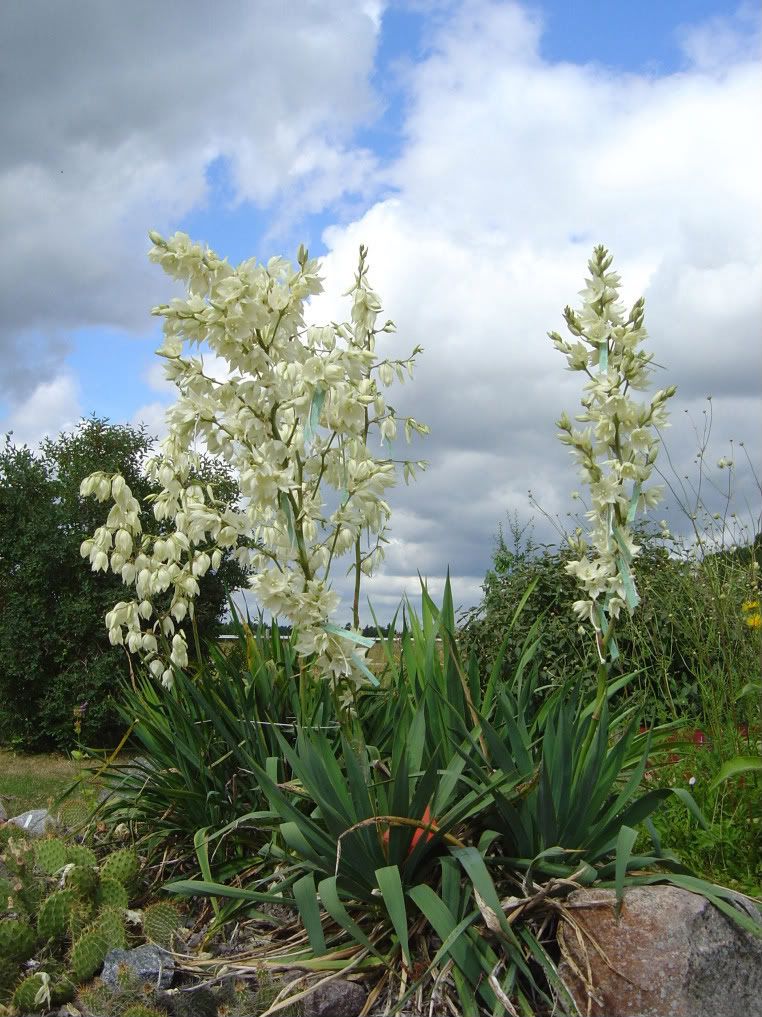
615, 450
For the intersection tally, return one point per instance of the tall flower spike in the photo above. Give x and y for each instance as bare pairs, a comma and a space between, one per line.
616, 448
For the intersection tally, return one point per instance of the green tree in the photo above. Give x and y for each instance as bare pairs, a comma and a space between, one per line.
54, 649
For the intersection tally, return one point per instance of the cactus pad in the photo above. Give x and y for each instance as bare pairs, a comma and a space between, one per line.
121, 865
6, 895
83, 880
75, 813
25, 993
54, 916
88, 953
160, 922
112, 893
81, 918
9, 973
110, 923
17, 939
78, 854
50, 855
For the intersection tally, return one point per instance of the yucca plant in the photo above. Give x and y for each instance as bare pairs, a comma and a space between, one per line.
377, 859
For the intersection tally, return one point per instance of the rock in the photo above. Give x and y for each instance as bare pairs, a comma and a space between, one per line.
36, 822
191, 1002
674, 953
150, 964
339, 998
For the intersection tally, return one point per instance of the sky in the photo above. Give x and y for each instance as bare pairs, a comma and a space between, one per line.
479, 149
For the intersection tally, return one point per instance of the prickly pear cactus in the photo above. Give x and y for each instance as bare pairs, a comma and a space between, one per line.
112, 893
80, 854
88, 953
122, 865
42, 921
26, 993
50, 855
55, 914
9, 973
83, 880
160, 923
110, 922
82, 917
75, 813
18, 857
17, 939
6, 895
43, 990
96, 998
99, 1000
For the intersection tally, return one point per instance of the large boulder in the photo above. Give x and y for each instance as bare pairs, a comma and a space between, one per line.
670, 953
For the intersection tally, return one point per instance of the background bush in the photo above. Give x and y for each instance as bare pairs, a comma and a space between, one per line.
699, 658
54, 648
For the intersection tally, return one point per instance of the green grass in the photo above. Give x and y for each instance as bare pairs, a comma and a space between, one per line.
32, 781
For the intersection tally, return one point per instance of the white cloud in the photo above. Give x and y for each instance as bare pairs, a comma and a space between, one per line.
153, 416
52, 407
513, 168
112, 116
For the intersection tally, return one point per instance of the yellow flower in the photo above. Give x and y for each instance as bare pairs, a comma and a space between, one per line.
750, 605
754, 621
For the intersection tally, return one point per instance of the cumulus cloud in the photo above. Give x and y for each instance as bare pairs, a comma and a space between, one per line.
512, 169
52, 406
112, 116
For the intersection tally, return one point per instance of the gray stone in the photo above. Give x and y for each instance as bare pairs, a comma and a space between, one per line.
671, 954
36, 822
339, 998
149, 963
194, 1001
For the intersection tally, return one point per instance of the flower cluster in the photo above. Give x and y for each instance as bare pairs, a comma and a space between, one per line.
291, 409
617, 445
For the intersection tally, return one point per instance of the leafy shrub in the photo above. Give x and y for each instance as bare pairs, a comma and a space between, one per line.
689, 638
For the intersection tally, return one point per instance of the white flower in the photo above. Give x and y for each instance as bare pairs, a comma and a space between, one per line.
280, 383
179, 654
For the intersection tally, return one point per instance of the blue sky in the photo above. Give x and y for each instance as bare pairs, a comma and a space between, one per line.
479, 148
